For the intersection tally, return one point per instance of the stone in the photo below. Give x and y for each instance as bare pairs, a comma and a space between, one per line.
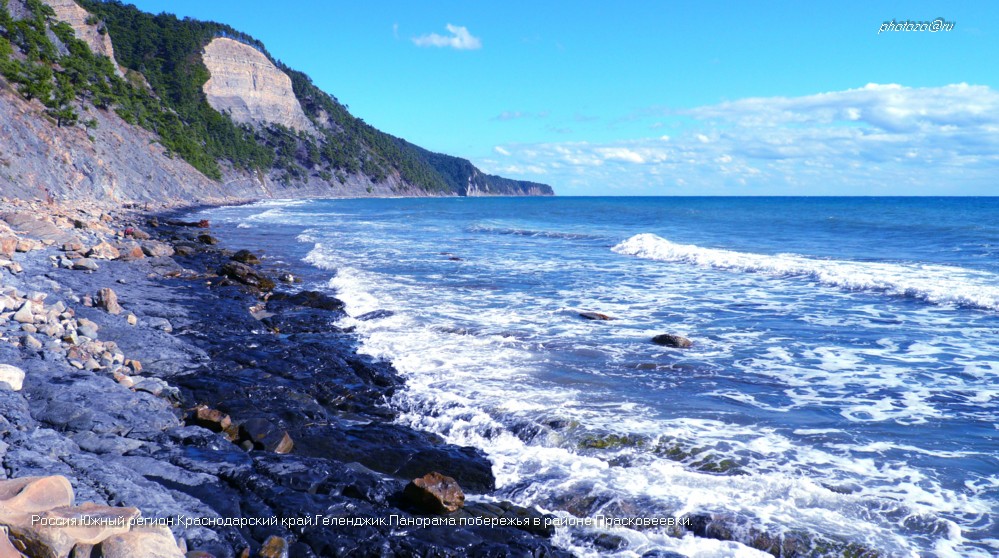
207, 239
91, 523
7, 549
246, 275
85, 264
595, 316
8, 245
29, 328
264, 435
157, 249
286, 278
32, 343
671, 340
136, 233
209, 418
24, 314
183, 250
104, 251
131, 319
130, 251
108, 300
435, 493
26, 245
72, 246
28, 495
85, 29
274, 547
13, 375
142, 542
246, 257
134, 365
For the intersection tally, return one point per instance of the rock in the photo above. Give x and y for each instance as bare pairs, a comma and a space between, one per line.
130, 251
274, 547
435, 493
266, 436
209, 418
14, 377
207, 239
136, 233
135, 365
108, 300
157, 249
246, 275
104, 251
85, 264
8, 245
7, 550
29, 495
26, 245
72, 246
286, 278
183, 250
142, 542
595, 316
32, 343
91, 523
25, 315
131, 319
671, 340
247, 257
157, 387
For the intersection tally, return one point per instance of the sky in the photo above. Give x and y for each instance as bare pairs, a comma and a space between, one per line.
657, 97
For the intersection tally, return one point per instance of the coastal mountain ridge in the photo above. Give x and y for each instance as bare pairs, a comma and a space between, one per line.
99, 100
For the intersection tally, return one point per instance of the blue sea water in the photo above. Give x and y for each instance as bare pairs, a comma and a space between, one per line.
843, 382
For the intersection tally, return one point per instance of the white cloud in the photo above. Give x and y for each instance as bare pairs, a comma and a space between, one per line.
878, 139
501, 151
459, 39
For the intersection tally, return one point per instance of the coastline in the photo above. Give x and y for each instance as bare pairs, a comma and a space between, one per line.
129, 413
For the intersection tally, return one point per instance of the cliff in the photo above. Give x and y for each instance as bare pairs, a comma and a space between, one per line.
247, 86
85, 27
102, 101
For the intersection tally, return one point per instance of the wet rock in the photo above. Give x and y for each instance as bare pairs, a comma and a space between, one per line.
183, 250
274, 547
247, 257
207, 239
286, 278
375, 315
264, 435
104, 251
85, 264
108, 300
672, 340
246, 275
209, 418
435, 493
307, 299
13, 375
157, 249
595, 316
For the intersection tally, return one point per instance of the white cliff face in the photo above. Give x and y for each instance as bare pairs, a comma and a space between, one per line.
76, 17
249, 87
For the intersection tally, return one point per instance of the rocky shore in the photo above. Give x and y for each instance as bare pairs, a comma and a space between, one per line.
149, 375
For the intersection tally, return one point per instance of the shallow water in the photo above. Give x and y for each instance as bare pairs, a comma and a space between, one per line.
842, 382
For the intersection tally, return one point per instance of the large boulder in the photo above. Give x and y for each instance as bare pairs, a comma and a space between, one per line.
142, 542
104, 251
246, 275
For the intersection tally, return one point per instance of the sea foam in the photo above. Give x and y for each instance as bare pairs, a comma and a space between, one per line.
936, 284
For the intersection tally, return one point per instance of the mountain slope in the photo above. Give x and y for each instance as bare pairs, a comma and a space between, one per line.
259, 138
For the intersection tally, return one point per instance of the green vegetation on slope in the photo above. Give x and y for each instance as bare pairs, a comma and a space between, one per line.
163, 92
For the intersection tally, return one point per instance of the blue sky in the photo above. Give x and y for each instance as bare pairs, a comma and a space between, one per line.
661, 98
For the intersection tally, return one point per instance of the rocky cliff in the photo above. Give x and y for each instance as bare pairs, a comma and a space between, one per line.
248, 87
85, 27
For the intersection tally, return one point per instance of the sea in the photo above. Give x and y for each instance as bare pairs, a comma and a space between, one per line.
842, 389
